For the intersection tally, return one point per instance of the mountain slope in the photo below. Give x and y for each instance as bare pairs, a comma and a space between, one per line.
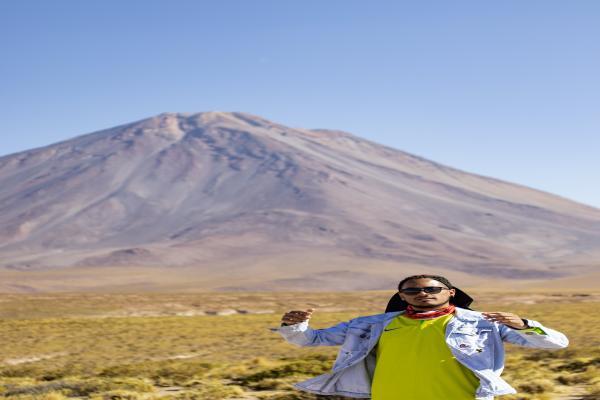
214, 192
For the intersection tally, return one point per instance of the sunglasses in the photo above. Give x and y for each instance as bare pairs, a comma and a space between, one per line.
416, 290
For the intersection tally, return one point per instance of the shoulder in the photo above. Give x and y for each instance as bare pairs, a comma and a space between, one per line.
464, 313
472, 316
373, 319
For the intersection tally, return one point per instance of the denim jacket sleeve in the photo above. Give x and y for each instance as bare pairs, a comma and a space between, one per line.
551, 339
303, 335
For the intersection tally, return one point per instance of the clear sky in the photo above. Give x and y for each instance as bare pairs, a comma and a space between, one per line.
509, 89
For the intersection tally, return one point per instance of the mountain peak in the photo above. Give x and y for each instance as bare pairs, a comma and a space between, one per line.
174, 121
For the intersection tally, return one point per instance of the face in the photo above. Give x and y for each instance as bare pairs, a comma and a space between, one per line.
423, 300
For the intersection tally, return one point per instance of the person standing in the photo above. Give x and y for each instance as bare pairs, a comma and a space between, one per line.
428, 345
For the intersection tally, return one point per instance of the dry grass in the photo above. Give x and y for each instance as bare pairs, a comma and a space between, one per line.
93, 346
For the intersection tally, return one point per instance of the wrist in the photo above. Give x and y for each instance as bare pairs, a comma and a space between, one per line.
526, 324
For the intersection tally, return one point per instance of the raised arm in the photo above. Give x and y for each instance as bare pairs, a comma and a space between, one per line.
527, 332
295, 330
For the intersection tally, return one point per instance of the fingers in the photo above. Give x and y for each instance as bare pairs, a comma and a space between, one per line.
295, 317
509, 319
498, 315
498, 319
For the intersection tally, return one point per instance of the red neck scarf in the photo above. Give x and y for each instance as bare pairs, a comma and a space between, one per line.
415, 314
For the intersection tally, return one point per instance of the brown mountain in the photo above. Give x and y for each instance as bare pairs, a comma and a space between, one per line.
231, 200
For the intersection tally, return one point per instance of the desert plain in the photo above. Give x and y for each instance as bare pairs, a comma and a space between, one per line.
218, 345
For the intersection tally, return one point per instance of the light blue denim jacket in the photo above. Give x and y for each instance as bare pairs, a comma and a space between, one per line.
474, 341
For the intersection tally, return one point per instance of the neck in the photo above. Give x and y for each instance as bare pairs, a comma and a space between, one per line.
430, 308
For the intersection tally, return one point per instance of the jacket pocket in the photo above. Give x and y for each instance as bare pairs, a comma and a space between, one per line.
474, 340
357, 338
484, 337
478, 349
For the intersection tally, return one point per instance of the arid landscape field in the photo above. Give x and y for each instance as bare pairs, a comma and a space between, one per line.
175, 177
219, 346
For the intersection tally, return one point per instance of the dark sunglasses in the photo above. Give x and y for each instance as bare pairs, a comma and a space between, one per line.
416, 290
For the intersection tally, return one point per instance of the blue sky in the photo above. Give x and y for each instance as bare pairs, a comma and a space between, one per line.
507, 89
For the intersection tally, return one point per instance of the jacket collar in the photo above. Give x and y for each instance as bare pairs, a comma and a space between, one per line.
466, 315
460, 313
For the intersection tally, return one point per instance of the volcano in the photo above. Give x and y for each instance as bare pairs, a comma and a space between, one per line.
229, 200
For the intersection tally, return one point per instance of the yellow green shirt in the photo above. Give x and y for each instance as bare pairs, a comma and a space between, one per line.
414, 362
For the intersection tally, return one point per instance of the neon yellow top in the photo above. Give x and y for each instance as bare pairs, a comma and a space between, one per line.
414, 362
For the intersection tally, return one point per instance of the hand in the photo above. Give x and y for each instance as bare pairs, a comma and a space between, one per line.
508, 319
295, 317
